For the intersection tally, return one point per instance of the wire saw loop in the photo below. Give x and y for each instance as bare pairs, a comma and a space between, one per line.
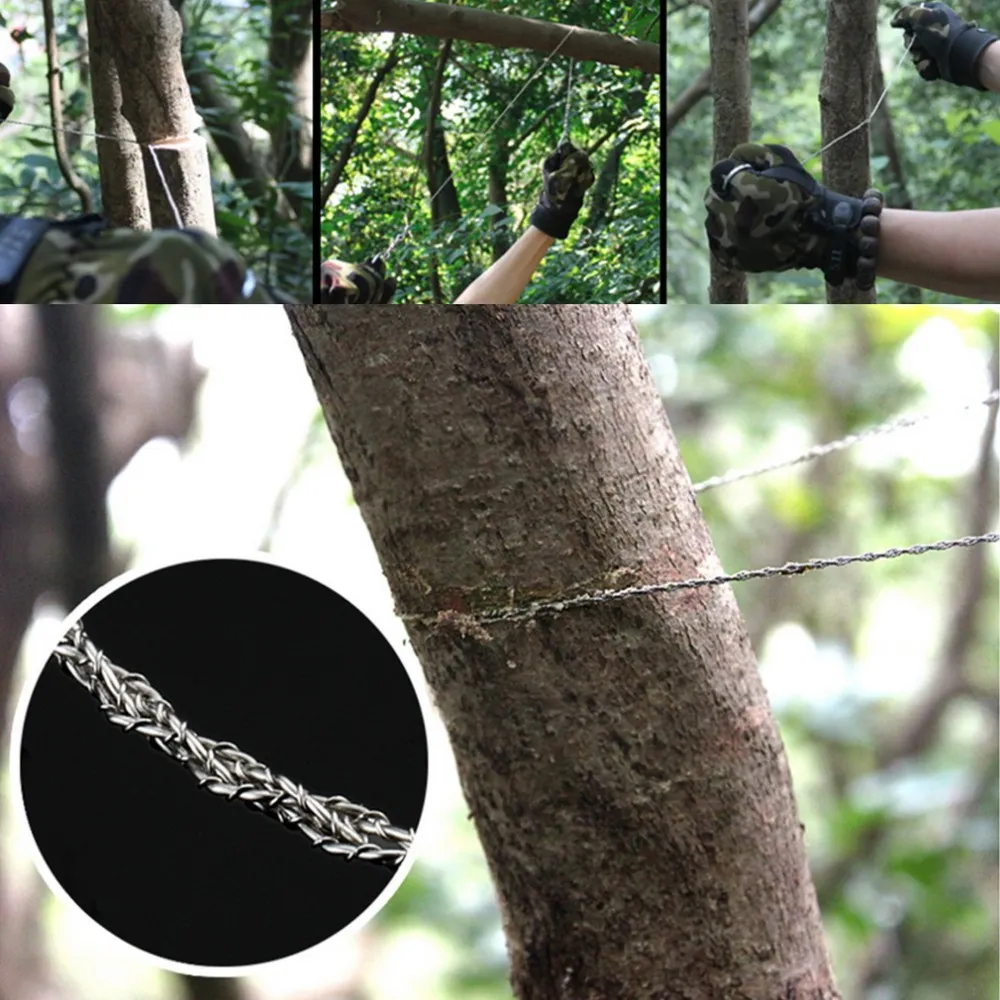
333, 823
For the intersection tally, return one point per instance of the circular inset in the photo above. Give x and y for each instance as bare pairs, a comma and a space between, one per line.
211, 681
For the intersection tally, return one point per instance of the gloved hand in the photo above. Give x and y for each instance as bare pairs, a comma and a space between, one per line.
947, 48
6, 94
567, 175
766, 213
355, 284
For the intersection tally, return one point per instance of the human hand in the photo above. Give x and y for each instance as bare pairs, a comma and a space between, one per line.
355, 284
766, 213
946, 47
566, 176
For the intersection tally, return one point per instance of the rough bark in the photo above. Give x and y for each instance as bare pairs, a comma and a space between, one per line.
144, 38
505, 31
620, 761
728, 43
123, 184
845, 99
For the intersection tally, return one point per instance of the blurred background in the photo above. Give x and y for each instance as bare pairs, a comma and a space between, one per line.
133, 437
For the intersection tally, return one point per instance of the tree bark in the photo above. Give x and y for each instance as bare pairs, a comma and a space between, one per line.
505, 31
144, 37
845, 99
728, 43
620, 760
123, 184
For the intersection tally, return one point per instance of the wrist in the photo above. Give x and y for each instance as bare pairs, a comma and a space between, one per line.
850, 227
552, 223
988, 67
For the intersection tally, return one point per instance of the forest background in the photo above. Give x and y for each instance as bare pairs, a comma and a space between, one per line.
883, 676
613, 250
935, 147
241, 61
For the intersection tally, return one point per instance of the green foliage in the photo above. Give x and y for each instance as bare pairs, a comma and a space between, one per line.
902, 852
947, 138
384, 189
233, 42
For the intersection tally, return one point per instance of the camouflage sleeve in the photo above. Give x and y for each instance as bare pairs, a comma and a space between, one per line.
79, 264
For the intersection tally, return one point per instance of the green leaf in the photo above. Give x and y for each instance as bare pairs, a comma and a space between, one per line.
991, 130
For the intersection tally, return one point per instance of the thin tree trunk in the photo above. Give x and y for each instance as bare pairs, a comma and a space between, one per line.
620, 760
728, 40
144, 36
123, 184
845, 99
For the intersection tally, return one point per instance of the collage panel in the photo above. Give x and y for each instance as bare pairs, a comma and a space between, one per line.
487, 153
832, 152
157, 152
578, 651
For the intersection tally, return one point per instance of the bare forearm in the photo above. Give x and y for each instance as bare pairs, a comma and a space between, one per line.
989, 67
503, 282
953, 252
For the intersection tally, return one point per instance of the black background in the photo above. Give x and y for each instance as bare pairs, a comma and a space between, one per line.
246, 653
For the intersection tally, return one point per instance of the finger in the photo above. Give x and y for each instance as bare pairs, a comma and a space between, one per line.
721, 172
335, 277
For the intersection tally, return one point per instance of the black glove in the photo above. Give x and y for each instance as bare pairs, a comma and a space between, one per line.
567, 175
766, 213
947, 48
6, 94
355, 284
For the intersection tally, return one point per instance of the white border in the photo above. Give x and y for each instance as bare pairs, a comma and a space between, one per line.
17, 732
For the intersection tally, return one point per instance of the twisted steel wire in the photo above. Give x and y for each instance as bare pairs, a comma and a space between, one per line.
528, 611
332, 823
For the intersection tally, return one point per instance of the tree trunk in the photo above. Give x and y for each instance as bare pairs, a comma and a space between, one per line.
845, 99
728, 40
123, 185
620, 760
144, 38
290, 54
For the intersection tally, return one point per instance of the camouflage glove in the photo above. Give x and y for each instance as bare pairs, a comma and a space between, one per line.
6, 94
567, 175
355, 284
765, 213
82, 260
947, 48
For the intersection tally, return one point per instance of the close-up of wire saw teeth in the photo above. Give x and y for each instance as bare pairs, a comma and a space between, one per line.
333, 823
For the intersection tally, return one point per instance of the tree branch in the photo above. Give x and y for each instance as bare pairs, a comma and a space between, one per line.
330, 184
505, 31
